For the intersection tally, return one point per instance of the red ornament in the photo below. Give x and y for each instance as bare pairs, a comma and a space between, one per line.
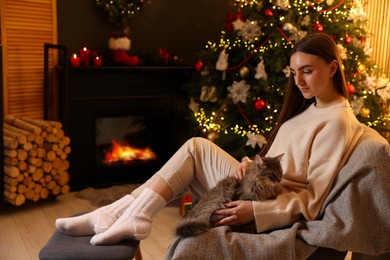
231, 19
317, 27
348, 39
259, 104
199, 65
268, 13
229, 23
333, 36
350, 88
164, 55
239, 16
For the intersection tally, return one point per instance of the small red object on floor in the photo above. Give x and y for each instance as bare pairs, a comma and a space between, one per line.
185, 204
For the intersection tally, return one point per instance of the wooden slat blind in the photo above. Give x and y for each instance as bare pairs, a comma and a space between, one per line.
378, 12
25, 26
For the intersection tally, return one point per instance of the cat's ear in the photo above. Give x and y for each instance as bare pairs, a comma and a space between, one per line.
258, 160
279, 157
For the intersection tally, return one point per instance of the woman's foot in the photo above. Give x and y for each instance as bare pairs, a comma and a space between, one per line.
94, 222
135, 222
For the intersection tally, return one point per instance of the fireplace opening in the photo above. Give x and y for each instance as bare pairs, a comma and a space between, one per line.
139, 111
131, 140
126, 140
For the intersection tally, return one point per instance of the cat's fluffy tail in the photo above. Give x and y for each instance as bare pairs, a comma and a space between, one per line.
189, 229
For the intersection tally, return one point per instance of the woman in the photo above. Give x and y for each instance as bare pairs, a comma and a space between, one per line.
316, 131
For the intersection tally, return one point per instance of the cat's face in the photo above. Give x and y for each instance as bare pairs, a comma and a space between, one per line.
270, 167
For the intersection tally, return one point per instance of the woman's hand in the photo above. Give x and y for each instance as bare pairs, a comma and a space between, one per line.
238, 213
240, 171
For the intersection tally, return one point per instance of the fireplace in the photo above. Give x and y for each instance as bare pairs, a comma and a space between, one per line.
124, 122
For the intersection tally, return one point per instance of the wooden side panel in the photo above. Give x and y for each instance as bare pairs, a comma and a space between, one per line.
378, 13
26, 25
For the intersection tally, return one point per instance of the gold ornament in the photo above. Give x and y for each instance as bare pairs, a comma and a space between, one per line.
212, 136
365, 112
318, 1
209, 94
244, 72
361, 68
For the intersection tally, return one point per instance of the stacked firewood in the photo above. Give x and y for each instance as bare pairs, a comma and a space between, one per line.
35, 159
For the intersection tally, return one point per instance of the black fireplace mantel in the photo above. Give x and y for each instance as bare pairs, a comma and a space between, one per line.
87, 92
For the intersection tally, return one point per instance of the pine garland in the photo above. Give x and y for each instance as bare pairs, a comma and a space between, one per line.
120, 12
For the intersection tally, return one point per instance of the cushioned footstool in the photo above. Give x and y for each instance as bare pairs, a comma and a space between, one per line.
64, 247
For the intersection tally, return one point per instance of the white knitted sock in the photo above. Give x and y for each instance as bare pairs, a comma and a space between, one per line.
135, 222
94, 222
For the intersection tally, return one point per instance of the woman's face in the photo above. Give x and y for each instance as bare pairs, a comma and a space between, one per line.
313, 76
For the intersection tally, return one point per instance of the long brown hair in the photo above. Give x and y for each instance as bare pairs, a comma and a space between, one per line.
323, 46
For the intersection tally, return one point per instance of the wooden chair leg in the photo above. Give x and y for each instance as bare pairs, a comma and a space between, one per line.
138, 254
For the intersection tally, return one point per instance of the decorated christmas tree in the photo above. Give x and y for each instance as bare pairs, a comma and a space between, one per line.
238, 92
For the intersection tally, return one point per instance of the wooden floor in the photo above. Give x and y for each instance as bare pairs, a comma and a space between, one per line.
25, 230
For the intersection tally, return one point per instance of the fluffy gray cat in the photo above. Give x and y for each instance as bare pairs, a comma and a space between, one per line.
261, 182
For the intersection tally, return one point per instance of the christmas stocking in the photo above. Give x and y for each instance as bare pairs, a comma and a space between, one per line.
135, 222
120, 46
122, 58
96, 221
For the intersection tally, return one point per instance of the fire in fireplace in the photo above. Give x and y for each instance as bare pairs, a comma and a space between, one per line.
126, 153
124, 140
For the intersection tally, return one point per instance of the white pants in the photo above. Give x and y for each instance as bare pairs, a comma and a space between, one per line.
198, 165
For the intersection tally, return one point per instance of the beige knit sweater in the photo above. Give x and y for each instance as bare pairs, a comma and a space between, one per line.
316, 144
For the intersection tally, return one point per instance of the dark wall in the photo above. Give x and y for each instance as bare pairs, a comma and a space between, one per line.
181, 26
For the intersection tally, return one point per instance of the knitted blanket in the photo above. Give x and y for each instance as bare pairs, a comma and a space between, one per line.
355, 217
